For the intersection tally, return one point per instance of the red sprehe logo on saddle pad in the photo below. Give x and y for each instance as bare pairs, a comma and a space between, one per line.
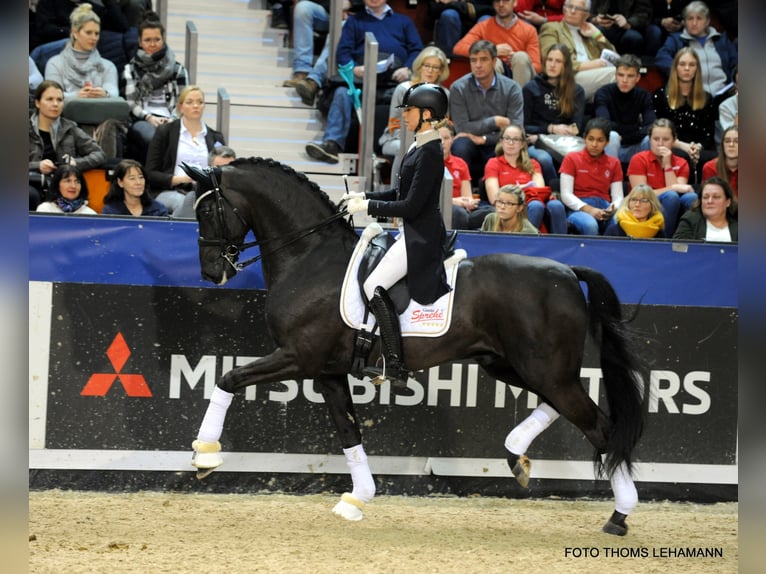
100, 383
425, 314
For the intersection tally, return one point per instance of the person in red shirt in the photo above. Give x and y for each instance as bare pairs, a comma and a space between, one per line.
466, 213
513, 166
726, 165
591, 181
666, 173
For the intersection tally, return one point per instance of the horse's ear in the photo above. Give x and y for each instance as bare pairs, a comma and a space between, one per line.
208, 178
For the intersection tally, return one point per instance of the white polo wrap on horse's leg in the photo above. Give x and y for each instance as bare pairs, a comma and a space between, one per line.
361, 475
212, 425
352, 503
207, 449
625, 493
519, 439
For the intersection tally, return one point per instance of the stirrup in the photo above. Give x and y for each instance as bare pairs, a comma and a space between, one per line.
397, 374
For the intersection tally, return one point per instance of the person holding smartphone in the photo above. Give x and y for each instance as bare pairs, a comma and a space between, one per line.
624, 23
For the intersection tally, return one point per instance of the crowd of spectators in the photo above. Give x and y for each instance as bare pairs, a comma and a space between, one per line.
155, 115
540, 72
544, 69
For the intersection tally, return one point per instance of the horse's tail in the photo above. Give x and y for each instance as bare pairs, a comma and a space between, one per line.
621, 369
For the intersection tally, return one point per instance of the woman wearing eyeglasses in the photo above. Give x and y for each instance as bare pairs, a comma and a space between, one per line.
512, 165
430, 66
639, 216
510, 214
726, 165
153, 79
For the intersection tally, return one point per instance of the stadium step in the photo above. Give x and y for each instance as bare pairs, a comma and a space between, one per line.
239, 51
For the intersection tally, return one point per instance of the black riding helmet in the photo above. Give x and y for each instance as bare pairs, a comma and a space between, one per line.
426, 97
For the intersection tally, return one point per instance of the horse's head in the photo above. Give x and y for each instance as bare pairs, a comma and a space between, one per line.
222, 228
288, 214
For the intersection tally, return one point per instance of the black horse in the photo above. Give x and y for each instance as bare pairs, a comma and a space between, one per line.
537, 344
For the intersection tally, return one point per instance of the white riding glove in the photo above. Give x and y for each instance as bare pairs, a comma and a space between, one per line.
357, 205
352, 194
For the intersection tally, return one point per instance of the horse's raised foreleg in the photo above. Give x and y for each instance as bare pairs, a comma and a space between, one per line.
281, 365
340, 403
277, 366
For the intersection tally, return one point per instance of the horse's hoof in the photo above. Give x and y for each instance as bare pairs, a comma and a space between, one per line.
616, 524
349, 507
206, 457
521, 467
203, 473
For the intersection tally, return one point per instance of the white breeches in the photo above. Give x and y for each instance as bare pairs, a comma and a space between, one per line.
391, 268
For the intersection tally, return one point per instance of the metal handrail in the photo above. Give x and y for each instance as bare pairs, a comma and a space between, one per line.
192, 46
223, 113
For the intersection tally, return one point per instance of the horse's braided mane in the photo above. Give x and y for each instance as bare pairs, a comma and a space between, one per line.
274, 164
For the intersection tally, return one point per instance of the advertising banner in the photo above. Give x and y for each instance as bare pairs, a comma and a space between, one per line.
133, 368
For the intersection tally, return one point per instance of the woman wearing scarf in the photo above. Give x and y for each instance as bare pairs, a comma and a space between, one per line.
79, 68
68, 193
54, 140
639, 216
153, 79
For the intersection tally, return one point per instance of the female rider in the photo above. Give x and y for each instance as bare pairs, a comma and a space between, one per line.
415, 201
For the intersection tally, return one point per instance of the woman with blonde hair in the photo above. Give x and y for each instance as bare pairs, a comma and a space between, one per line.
185, 140
79, 68
430, 66
510, 214
684, 101
639, 215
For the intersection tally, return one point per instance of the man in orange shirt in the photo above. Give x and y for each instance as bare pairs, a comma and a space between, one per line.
518, 48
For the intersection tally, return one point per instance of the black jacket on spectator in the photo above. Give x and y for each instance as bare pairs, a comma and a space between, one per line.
631, 114
163, 151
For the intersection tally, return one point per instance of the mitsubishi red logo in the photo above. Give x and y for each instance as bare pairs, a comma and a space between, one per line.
100, 383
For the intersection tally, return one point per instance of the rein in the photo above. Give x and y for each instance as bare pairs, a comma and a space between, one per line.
231, 249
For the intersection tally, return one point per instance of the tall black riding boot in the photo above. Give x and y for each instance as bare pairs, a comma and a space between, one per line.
391, 342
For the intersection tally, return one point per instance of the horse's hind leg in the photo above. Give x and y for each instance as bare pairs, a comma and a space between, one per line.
575, 404
521, 436
339, 401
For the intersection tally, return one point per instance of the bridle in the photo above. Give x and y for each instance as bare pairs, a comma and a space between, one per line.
231, 248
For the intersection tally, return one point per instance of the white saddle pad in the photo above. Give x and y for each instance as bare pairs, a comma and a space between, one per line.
417, 320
